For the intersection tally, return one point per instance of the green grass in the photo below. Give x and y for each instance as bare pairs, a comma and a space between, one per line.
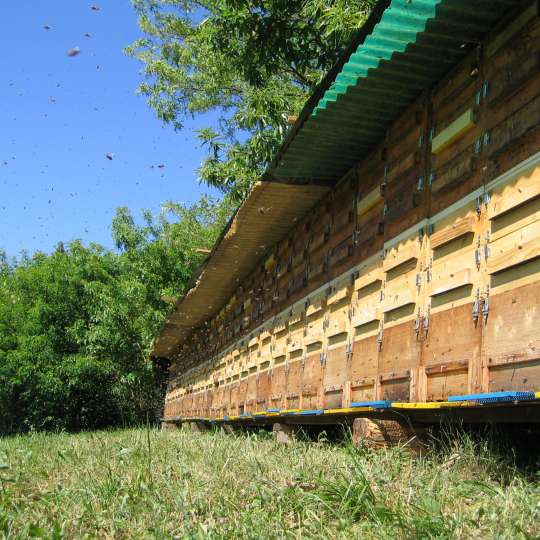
178, 484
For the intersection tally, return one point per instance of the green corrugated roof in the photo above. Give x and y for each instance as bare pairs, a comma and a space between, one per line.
411, 46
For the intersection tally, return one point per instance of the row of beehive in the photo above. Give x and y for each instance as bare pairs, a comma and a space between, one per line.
425, 302
420, 323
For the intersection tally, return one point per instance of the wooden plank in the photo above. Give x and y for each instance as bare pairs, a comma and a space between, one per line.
397, 299
517, 25
459, 228
515, 248
448, 282
515, 193
400, 348
515, 377
368, 278
366, 313
311, 382
511, 332
339, 293
398, 256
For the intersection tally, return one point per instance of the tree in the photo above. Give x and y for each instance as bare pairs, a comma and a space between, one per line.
76, 326
255, 61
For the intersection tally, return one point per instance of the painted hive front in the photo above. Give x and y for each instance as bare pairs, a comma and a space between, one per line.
417, 278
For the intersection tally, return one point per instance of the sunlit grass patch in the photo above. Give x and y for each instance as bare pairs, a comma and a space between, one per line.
178, 484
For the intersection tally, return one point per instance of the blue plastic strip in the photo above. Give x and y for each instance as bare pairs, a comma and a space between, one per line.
225, 418
245, 415
375, 404
272, 410
495, 397
311, 413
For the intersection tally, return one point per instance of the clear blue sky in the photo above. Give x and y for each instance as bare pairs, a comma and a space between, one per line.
60, 116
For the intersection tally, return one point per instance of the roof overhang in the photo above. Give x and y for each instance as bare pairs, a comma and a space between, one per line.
264, 218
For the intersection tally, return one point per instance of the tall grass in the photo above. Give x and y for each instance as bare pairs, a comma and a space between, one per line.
177, 484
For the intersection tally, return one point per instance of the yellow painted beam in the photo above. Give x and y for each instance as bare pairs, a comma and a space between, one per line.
431, 405
450, 134
348, 410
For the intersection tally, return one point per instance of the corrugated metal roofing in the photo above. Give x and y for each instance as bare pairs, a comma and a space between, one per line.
413, 44
265, 217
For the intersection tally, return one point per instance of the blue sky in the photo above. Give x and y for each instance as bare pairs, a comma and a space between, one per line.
61, 115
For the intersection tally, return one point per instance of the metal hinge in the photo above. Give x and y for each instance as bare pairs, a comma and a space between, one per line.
421, 234
349, 350
420, 185
477, 257
418, 281
487, 251
476, 307
323, 359
479, 204
426, 323
482, 93
380, 337
485, 305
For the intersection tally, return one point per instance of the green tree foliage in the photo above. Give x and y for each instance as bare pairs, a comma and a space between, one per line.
76, 326
254, 61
